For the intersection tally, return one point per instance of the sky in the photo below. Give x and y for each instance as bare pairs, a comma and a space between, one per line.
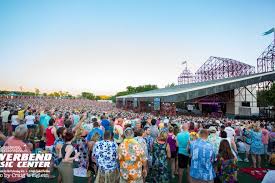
102, 46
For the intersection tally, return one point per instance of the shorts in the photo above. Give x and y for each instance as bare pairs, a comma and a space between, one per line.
247, 148
110, 176
183, 161
66, 171
13, 127
174, 154
31, 126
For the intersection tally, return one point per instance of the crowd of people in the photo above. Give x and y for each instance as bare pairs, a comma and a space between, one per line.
114, 145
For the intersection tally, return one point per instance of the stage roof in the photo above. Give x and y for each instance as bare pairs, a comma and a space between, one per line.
191, 91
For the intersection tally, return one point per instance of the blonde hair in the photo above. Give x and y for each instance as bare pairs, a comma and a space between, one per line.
162, 136
256, 128
95, 137
171, 129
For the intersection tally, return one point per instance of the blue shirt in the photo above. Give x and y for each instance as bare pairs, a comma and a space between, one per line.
203, 156
47, 119
256, 140
76, 118
105, 153
94, 131
106, 124
183, 139
44, 120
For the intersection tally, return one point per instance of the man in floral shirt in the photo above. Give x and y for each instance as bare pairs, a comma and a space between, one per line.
149, 141
202, 159
105, 153
132, 159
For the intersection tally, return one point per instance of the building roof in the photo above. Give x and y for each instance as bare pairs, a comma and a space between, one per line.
191, 91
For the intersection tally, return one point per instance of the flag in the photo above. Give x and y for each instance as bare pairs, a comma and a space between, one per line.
268, 32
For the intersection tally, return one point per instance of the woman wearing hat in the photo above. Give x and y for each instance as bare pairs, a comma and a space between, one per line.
214, 139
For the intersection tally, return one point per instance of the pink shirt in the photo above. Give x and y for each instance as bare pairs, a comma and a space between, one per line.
59, 122
14, 142
265, 136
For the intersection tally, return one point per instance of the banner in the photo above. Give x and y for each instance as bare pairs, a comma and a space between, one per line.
135, 102
17, 162
268, 32
156, 104
190, 107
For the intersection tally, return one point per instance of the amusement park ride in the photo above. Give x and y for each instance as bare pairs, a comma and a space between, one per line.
216, 68
220, 68
221, 86
266, 63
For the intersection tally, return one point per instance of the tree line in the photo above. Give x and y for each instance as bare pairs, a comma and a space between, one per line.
59, 94
266, 97
131, 90
87, 95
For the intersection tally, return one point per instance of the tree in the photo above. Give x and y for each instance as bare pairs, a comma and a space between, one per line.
170, 85
54, 94
266, 97
103, 97
60, 94
36, 91
132, 90
88, 95
113, 98
138, 89
26, 93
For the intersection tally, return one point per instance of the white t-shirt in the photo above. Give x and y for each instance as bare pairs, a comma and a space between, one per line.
5, 116
30, 119
14, 120
230, 132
